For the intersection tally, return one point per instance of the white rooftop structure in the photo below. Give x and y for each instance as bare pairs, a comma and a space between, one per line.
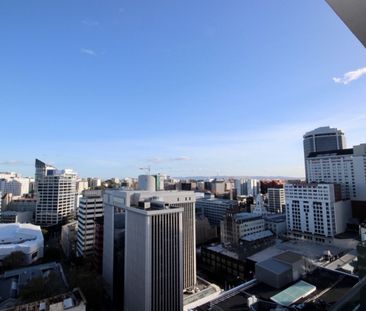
26, 238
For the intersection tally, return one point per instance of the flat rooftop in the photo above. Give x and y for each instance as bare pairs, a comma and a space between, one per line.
219, 248
308, 249
257, 236
293, 293
331, 286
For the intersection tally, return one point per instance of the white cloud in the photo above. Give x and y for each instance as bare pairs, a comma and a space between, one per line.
350, 76
88, 52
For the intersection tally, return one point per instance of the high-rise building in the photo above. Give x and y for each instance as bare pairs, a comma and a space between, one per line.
346, 167
55, 194
276, 200
90, 208
117, 201
218, 187
98, 244
323, 139
316, 211
154, 257
253, 187
214, 209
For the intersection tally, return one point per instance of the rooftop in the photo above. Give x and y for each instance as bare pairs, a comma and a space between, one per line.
16, 233
246, 216
293, 293
219, 248
277, 218
308, 249
66, 301
289, 257
257, 236
23, 276
274, 265
330, 287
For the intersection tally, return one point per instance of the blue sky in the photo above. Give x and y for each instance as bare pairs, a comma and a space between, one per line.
189, 87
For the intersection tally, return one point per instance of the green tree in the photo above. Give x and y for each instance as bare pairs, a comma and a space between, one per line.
90, 283
14, 260
42, 287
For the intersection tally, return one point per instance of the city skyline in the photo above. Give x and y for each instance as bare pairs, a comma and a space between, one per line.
122, 86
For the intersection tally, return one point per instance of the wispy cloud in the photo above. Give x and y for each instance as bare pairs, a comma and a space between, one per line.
165, 160
88, 52
90, 23
181, 158
12, 162
350, 76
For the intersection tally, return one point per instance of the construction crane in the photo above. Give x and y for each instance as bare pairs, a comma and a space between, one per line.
147, 169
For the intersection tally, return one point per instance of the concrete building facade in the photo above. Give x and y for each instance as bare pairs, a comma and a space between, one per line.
117, 201
276, 200
316, 211
55, 194
238, 225
90, 208
154, 257
322, 139
214, 209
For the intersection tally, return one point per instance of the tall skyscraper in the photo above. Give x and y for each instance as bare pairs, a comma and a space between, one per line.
90, 208
154, 257
118, 201
55, 194
323, 139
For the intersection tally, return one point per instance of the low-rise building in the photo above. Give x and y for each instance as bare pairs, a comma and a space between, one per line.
276, 223
13, 282
26, 238
238, 225
7, 217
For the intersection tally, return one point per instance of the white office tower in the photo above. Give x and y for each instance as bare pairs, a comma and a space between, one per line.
55, 194
154, 257
276, 200
316, 211
322, 139
90, 207
253, 187
346, 167
117, 201
15, 185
